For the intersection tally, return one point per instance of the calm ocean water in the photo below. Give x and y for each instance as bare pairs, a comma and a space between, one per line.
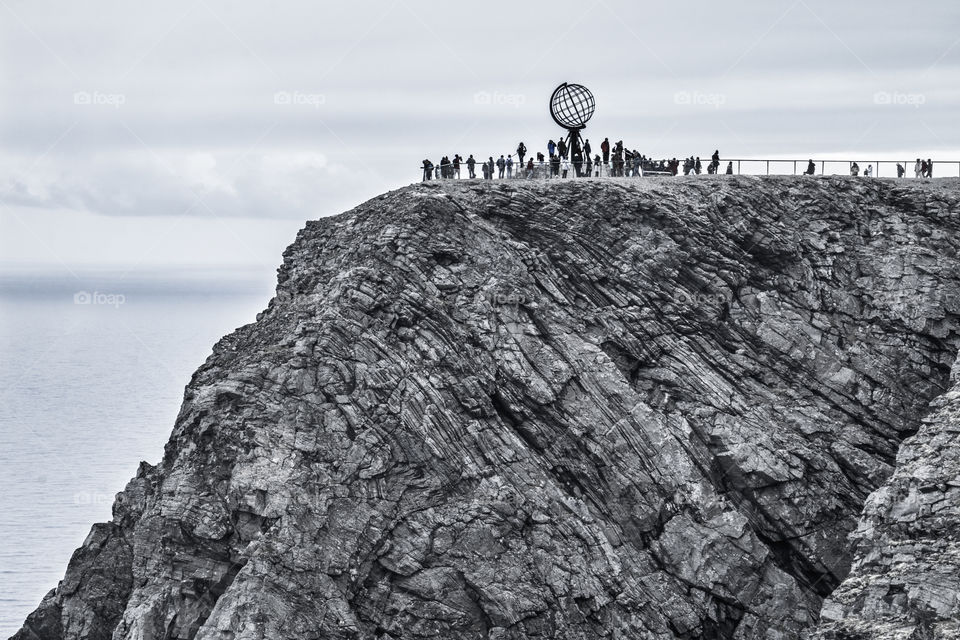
88, 388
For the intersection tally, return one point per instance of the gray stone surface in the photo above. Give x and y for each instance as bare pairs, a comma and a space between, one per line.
580, 409
905, 581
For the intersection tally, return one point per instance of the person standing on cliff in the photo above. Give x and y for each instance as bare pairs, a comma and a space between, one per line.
427, 170
587, 150
562, 148
471, 167
509, 166
900, 170
929, 167
551, 148
521, 152
811, 168
605, 150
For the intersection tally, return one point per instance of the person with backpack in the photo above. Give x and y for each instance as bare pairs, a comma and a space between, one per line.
521, 152
501, 164
509, 166
427, 170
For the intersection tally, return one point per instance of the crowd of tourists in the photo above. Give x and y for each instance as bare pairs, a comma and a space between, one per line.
561, 161
615, 160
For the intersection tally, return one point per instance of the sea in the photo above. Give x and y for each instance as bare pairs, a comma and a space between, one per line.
93, 366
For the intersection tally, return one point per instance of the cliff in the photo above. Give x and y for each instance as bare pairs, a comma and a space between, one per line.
578, 409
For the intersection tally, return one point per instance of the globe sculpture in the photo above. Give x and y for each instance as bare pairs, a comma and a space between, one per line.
571, 105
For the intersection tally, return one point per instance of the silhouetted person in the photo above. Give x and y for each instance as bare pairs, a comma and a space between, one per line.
555, 165
530, 168
471, 166
854, 169
730, 168
540, 157
501, 164
929, 168
551, 148
811, 168
562, 148
456, 165
597, 162
427, 170
491, 164
589, 169
605, 150
509, 166
521, 151
900, 170
698, 166
586, 150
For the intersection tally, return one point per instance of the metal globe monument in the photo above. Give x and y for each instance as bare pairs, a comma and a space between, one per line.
571, 107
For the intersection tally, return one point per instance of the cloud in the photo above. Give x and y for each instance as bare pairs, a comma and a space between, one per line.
276, 183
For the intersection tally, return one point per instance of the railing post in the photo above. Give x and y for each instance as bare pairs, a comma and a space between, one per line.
738, 167
768, 167
794, 167
823, 167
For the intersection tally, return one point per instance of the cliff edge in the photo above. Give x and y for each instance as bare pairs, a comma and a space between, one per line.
578, 409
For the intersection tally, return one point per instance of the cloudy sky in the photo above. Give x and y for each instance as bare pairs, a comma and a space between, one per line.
205, 132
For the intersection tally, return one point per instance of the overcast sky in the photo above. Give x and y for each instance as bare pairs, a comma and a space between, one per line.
206, 132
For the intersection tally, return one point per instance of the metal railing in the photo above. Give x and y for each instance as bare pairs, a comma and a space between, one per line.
741, 166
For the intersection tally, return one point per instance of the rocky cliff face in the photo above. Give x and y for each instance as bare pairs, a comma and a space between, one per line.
905, 582
580, 409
